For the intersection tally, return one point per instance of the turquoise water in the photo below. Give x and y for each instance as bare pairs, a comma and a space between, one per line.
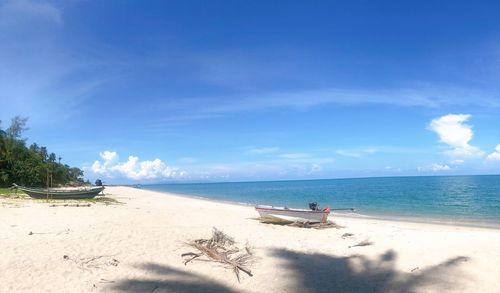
449, 198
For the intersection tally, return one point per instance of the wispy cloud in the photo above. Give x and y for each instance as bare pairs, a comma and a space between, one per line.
215, 107
255, 171
26, 12
248, 70
392, 169
294, 156
37, 69
262, 150
453, 131
356, 153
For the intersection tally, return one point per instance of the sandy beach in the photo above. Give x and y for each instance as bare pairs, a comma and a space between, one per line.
136, 245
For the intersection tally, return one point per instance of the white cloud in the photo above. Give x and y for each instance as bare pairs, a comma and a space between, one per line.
453, 131
109, 156
457, 162
494, 156
133, 168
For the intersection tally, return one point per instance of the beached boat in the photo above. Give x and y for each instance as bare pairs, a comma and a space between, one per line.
56, 193
284, 214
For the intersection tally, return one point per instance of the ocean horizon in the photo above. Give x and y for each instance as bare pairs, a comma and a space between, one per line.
472, 199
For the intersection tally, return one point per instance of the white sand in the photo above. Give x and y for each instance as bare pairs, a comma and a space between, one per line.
136, 247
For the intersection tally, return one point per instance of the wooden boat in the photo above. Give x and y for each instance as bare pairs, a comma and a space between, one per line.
284, 214
54, 193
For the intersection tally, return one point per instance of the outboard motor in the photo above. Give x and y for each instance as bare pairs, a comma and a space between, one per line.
313, 206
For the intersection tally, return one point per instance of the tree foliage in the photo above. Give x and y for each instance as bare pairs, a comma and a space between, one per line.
29, 166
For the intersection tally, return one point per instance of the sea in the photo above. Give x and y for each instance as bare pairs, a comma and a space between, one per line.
473, 200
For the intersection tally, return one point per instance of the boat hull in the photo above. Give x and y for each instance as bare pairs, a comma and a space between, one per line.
283, 214
62, 194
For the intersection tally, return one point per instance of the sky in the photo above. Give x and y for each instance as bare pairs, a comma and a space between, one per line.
182, 91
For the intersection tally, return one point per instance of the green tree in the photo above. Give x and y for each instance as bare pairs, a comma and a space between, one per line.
30, 165
17, 127
3, 150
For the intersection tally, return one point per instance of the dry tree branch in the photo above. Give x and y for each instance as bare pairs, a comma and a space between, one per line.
365, 242
194, 256
221, 248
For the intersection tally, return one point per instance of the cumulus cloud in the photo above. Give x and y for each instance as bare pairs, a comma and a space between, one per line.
109, 158
133, 169
494, 156
453, 131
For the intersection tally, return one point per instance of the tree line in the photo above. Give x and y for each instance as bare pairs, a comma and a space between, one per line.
30, 165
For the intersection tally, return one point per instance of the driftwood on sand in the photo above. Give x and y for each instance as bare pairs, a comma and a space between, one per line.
302, 224
362, 243
315, 225
70, 205
221, 248
92, 262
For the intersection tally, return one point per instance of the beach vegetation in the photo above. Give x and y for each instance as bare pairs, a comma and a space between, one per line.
31, 165
8, 192
104, 200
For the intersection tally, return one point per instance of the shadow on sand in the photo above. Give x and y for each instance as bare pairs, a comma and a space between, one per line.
313, 273
326, 273
168, 279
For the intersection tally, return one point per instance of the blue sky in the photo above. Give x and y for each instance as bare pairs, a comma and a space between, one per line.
161, 91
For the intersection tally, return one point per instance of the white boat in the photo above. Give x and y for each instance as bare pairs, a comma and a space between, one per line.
284, 214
